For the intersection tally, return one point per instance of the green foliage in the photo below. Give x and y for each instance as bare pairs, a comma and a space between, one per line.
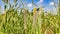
6, 1
12, 22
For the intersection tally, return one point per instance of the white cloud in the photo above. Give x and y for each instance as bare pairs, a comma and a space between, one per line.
40, 1
51, 3
29, 5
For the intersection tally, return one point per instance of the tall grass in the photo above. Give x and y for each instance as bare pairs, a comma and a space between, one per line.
13, 22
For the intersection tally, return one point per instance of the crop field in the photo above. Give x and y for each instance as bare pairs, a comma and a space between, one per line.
24, 22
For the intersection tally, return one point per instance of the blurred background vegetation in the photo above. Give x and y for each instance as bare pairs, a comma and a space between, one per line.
37, 21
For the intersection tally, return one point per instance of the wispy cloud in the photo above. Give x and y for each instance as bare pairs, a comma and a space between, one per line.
29, 5
51, 3
40, 1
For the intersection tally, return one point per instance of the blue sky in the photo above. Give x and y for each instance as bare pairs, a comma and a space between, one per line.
46, 3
